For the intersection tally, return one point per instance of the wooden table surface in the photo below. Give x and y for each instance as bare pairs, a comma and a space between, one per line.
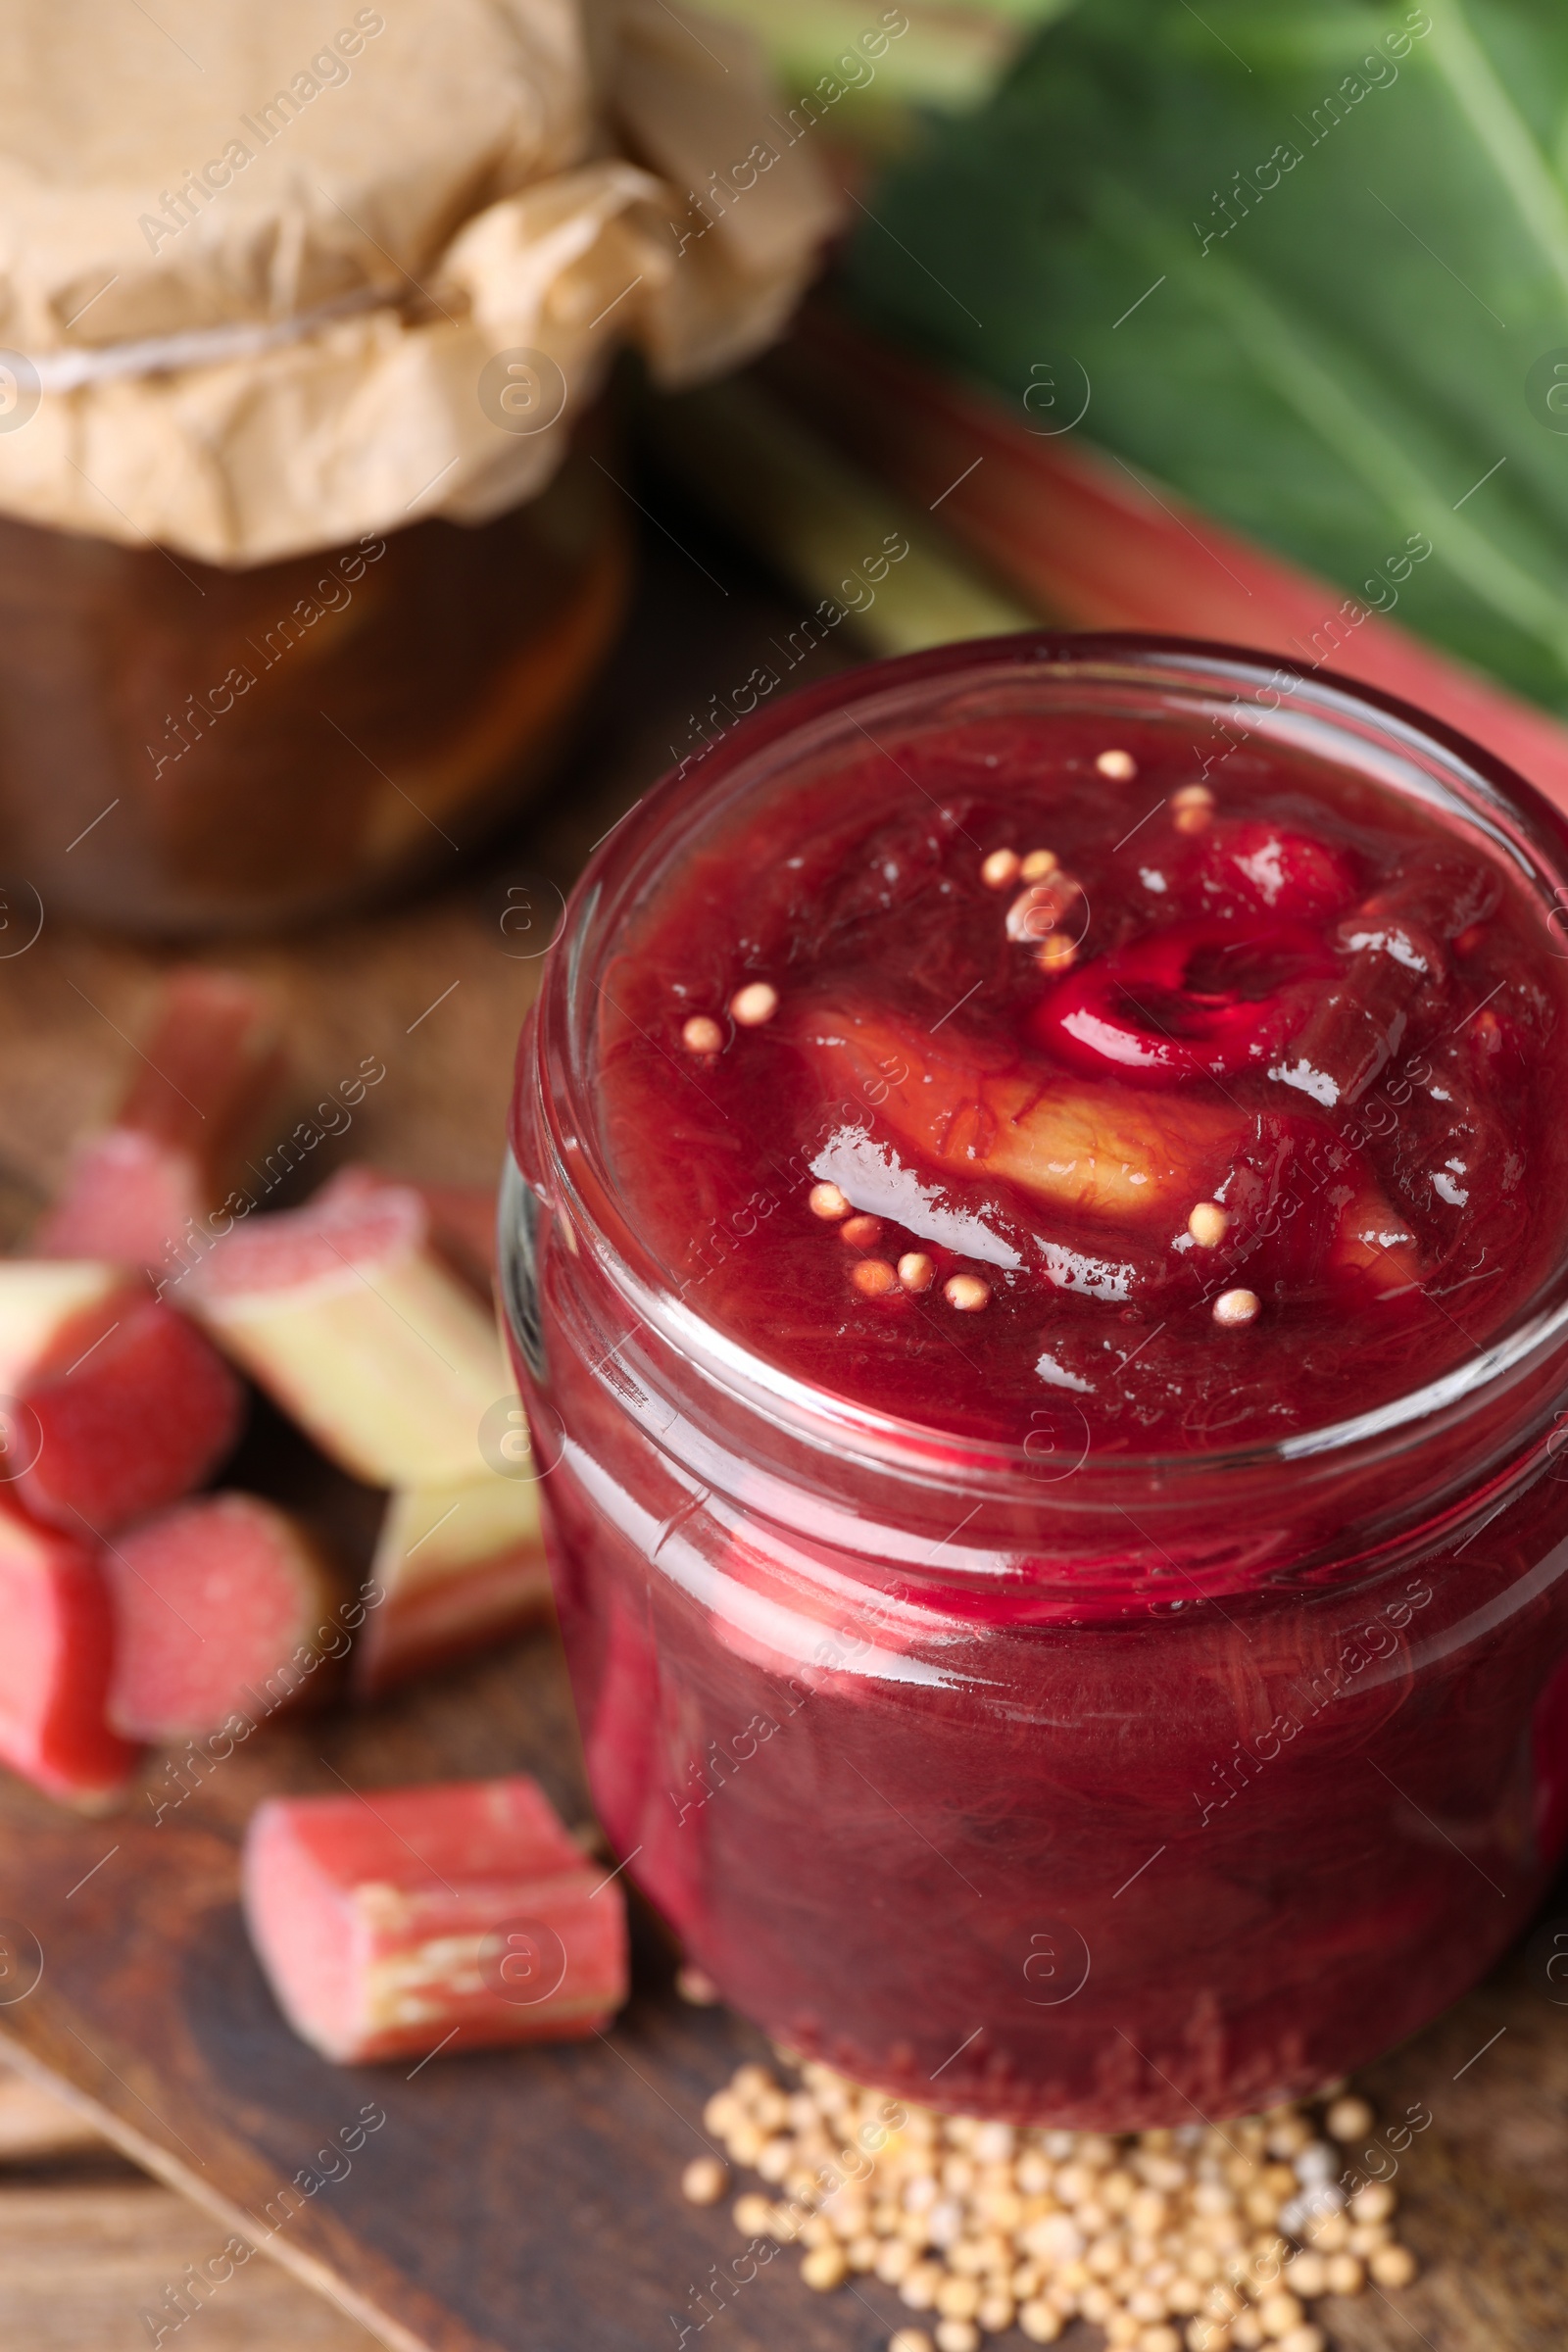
88, 2240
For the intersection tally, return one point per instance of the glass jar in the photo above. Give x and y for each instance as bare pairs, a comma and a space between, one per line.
1026, 1780
189, 749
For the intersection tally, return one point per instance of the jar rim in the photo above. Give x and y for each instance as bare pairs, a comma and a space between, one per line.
1518, 820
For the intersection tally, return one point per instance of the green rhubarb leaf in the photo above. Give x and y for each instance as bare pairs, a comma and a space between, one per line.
1309, 257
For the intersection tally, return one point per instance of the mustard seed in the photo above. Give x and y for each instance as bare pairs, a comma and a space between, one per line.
705, 2180
1000, 868
915, 1270
1233, 1310
701, 1035
826, 1201
958, 2299
824, 2267
1038, 864
753, 1004
1207, 1224
873, 1277
966, 1291
1192, 808
1120, 766
920, 2285
861, 1231
1307, 2276
1164, 2248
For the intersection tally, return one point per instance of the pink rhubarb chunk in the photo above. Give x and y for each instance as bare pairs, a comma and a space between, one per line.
386, 1924
209, 1070
222, 1606
53, 1666
457, 1569
112, 1404
462, 1217
344, 1314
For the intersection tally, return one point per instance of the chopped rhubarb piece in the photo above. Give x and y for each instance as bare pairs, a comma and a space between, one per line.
343, 1314
456, 1568
40, 1300
454, 1916
55, 1664
205, 1076
1395, 946
117, 1404
462, 1217
219, 1604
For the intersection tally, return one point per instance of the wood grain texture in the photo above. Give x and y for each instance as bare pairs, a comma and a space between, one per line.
37, 2128
526, 2199
81, 2261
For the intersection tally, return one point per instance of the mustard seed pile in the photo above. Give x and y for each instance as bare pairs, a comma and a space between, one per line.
1191, 2241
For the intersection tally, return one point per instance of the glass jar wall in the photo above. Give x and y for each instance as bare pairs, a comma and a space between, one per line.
1038, 1779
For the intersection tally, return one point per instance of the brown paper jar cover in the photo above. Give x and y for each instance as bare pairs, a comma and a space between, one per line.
280, 284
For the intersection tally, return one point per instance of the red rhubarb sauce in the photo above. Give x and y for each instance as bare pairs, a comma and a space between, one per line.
1316, 1009
1143, 1109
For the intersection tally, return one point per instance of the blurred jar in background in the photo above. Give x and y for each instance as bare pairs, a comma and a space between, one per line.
274, 743
311, 539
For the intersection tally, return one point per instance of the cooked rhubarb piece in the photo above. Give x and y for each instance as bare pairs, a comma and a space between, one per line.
1101, 1154
1090, 1152
222, 1607
457, 1915
456, 1568
342, 1312
55, 1658
116, 1405
1395, 969
205, 1078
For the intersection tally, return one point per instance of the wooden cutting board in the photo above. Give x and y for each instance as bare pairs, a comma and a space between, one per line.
530, 2199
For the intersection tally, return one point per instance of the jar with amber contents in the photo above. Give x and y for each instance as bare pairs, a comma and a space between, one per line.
309, 540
